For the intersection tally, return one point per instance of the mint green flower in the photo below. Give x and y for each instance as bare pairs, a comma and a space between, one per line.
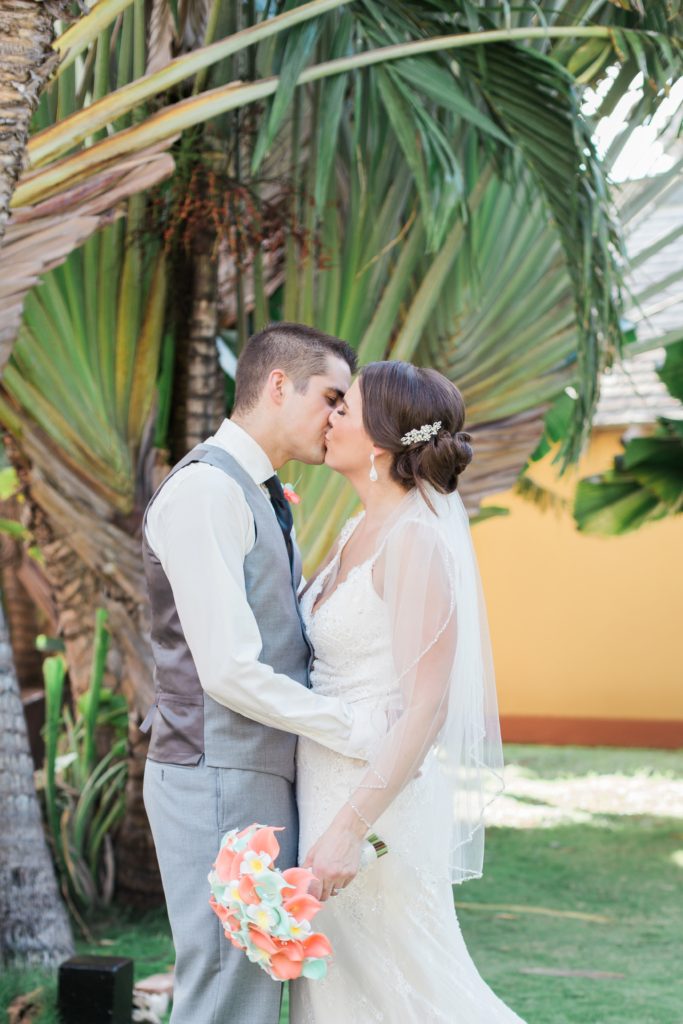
314, 969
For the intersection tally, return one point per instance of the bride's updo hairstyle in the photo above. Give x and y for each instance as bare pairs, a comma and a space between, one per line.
398, 398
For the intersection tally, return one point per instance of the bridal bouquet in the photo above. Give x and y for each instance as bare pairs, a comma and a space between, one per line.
264, 911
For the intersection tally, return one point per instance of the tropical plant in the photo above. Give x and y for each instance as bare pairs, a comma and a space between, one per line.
650, 292
410, 153
83, 788
646, 482
93, 467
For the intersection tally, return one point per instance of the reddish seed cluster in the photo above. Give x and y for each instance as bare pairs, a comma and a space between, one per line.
231, 214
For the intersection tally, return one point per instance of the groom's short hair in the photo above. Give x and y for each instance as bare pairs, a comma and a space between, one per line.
301, 351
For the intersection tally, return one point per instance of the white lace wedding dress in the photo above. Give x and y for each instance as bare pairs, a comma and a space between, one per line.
399, 955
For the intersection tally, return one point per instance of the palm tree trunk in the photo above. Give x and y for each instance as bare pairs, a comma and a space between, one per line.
34, 927
198, 405
74, 590
26, 61
21, 611
23, 628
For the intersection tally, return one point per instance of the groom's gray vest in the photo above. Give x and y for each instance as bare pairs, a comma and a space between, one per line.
186, 722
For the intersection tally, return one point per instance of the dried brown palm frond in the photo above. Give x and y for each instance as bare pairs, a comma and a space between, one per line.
161, 36
39, 238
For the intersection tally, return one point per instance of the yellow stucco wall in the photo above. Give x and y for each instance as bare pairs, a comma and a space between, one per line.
583, 626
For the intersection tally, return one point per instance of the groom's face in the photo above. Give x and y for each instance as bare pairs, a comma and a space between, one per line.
307, 413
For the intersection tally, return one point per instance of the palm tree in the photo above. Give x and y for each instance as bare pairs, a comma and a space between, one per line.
34, 926
646, 481
423, 183
26, 64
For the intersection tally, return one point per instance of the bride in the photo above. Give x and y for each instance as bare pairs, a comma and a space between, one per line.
397, 622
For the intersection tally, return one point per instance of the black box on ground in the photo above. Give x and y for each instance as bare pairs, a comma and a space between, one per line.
96, 990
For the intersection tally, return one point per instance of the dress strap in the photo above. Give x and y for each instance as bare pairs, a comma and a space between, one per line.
347, 530
344, 536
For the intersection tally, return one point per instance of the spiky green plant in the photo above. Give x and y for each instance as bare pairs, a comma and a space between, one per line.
84, 792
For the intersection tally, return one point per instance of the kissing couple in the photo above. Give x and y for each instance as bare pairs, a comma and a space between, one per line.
363, 701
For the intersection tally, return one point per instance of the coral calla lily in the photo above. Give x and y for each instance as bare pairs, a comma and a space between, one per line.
284, 969
263, 941
317, 945
247, 890
302, 907
228, 864
300, 879
264, 841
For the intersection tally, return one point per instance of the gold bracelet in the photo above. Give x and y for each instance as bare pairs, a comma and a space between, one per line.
354, 808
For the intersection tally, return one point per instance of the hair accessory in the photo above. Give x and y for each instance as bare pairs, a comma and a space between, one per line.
426, 431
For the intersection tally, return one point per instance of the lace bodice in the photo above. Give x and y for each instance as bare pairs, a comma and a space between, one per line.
349, 632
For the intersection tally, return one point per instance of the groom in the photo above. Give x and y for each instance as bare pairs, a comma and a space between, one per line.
232, 656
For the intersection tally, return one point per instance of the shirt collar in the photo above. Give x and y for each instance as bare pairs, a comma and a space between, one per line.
242, 446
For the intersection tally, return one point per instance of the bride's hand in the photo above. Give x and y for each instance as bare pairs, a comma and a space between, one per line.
335, 858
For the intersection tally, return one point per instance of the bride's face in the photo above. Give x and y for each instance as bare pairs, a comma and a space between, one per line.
348, 446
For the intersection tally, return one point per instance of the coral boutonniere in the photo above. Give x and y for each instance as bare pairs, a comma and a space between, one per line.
290, 494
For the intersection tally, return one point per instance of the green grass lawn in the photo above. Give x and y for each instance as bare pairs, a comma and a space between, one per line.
143, 937
624, 869
573, 836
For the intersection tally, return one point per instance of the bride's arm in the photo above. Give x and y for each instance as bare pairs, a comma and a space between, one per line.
416, 583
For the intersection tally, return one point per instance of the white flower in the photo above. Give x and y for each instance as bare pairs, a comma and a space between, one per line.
255, 863
264, 917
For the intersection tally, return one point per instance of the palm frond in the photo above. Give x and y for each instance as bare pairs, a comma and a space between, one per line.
161, 36
645, 485
541, 497
40, 237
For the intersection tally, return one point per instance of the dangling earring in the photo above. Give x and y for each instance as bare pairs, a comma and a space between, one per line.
373, 471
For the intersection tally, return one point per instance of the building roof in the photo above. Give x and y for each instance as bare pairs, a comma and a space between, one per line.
630, 391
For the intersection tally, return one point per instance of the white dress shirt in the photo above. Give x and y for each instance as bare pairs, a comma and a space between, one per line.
201, 529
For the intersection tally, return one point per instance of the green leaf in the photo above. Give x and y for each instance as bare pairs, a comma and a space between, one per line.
557, 422
611, 509
293, 58
9, 483
330, 109
671, 373
489, 512
14, 529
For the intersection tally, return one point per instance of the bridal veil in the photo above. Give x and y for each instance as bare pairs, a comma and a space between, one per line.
443, 713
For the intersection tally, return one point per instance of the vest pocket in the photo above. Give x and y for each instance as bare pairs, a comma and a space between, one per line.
177, 725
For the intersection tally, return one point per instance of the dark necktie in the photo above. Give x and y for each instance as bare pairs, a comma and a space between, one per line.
283, 512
